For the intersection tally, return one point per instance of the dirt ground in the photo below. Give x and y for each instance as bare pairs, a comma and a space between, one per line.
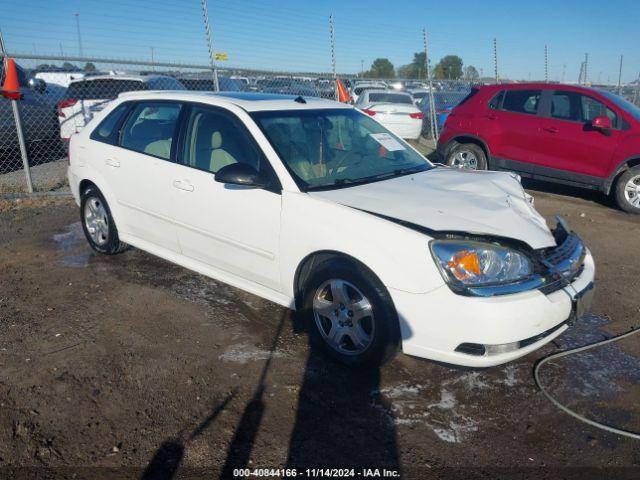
131, 367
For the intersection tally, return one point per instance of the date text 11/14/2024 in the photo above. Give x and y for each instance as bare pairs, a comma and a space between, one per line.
316, 473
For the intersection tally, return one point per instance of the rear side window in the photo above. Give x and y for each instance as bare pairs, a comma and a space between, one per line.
565, 106
390, 98
151, 128
521, 101
496, 102
102, 89
106, 131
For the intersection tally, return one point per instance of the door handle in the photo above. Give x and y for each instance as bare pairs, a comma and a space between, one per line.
550, 129
183, 185
491, 116
112, 163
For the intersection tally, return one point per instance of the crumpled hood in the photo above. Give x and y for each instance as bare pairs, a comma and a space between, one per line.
443, 199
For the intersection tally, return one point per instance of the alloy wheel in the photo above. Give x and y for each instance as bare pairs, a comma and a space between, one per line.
465, 159
96, 220
632, 191
344, 316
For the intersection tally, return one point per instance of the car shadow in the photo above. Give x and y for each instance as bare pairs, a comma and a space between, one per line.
594, 196
167, 459
339, 421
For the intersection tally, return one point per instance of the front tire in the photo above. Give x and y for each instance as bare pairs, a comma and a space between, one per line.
468, 156
350, 315
627, 190
97, 223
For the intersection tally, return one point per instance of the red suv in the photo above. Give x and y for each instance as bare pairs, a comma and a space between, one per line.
562, 133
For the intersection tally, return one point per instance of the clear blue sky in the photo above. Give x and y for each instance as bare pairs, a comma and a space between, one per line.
294, 34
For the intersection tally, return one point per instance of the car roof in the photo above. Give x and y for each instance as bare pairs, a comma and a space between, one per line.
136, 78
249, 101
396, 92
536, 85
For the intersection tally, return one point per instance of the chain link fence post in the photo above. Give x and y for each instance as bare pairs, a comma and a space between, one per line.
207, 29
18, 121
332, 32
432, 108
495, 60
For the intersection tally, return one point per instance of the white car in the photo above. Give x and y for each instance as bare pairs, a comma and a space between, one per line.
360, 87
313, 205
395, 110
86, 96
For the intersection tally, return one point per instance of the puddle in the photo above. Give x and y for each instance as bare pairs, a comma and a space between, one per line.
599, 374
74, 247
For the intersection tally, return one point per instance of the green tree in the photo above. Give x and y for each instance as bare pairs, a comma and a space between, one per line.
415, 69
69, 67
89, 67
381, 68
471, 73
448, 68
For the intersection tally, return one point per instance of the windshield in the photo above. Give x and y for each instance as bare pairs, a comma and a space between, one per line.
622, 103
329, 148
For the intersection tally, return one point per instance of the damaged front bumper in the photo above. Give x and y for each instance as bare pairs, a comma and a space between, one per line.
483, 329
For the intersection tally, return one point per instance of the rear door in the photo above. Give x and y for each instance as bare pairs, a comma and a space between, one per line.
565, 140
141, 170
510, 122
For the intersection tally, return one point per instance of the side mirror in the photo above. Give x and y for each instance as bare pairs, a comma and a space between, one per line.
37, 85
241, 174
602, 123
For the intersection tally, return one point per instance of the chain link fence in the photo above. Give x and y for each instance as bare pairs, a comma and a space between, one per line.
295, 53
62, 94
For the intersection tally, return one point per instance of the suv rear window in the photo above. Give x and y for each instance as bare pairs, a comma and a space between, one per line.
521, 101
103, 89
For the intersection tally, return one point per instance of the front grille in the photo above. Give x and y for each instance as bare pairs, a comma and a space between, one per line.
563, 263
563, 252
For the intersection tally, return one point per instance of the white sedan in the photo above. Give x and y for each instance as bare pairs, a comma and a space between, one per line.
315, 206
395, 110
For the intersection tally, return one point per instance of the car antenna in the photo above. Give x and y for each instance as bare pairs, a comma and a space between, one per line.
299, 99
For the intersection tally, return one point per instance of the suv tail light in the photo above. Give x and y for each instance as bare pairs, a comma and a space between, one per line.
67, 102
369, 112
418, 116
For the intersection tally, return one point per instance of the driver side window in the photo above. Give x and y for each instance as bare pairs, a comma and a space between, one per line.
214, 140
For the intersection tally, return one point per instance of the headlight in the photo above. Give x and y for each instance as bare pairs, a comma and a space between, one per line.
476, 264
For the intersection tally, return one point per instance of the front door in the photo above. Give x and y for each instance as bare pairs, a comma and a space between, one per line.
232, 228
565, 140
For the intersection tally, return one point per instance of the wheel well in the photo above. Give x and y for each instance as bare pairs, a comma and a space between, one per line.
311, 261
465, 139
84, 184
634, 162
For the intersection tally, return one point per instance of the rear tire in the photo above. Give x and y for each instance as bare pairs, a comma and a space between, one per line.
359, 329
97, 223
468, 156
627, 190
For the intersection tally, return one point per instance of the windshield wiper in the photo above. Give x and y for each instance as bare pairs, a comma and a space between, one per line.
359, 181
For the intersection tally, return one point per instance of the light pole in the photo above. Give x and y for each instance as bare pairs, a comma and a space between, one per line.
79, 37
